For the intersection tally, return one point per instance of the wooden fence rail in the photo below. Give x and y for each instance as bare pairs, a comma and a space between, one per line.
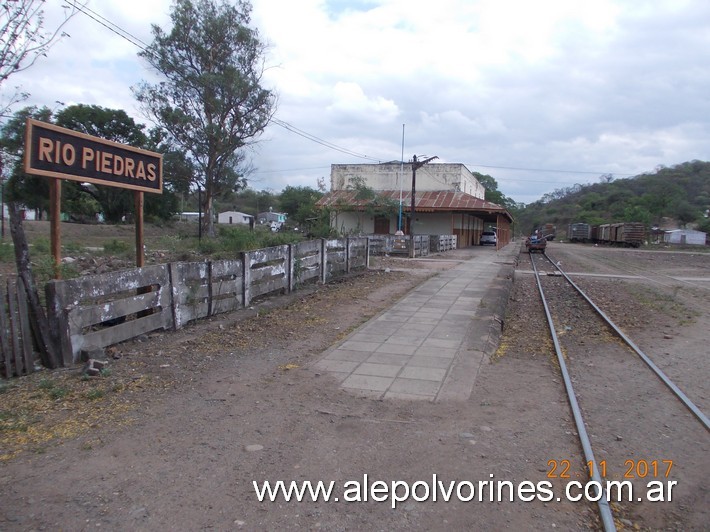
16, 344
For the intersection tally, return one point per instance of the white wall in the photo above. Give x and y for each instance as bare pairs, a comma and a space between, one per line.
424, 223
691, 237
432, 176
237, 217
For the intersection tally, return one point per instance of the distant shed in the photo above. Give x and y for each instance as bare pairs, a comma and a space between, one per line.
685, 236
234, 217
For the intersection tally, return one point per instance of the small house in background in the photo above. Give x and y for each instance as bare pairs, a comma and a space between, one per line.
274, 219
234, 217
685, 236
188, 216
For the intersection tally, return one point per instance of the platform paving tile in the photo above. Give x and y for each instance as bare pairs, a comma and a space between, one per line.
352, 345
379, 370
406, 339
469, 302
375, 327
369, 336
408, 310
409, 396
396, 349
457, 312
439, 342
442, 303
432, 313
368, 382
415, 328
438, 352
392, 318
424, 320
388, 358
429, 362
448, 335
414, 386
345, 354
423, 373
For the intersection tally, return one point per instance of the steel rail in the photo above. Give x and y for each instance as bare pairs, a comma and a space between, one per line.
603, 504
659, 373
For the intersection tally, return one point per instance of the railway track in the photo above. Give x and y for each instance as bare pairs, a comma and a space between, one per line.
636, 427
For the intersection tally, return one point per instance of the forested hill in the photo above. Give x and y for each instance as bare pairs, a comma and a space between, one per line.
679, 193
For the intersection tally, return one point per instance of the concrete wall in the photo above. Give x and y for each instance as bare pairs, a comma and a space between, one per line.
388, 176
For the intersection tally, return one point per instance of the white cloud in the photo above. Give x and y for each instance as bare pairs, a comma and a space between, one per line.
607, 86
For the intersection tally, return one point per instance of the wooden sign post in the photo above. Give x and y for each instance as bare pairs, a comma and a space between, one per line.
60, 153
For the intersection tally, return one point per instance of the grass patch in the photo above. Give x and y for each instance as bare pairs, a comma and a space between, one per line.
58, 392
73, 248
41, 245
5, 386
96, 393
117, 247
665, 302
46, 384
7, 252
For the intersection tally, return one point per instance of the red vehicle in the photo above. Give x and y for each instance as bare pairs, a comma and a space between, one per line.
536, 243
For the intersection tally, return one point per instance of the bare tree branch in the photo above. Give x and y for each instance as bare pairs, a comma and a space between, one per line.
24, 39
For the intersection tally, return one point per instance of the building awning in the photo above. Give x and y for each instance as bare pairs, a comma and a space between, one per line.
424, 201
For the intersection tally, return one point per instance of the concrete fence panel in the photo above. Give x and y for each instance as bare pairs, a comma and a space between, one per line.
307, 261
101, 310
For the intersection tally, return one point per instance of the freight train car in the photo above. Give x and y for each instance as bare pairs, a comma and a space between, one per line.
629, 234
548, 231
579, 232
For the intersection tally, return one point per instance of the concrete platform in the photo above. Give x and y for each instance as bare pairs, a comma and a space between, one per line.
430, 344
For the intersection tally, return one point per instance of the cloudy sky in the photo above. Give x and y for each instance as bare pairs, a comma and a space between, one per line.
540, 95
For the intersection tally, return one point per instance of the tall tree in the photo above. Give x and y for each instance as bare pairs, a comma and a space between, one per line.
300, 203
30, 191
109, 124
211, 101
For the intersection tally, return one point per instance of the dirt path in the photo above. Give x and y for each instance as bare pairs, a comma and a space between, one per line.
228, 402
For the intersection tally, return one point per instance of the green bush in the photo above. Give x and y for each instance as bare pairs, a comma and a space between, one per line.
73, 248
116, 247
41, 245
43, 270
7, 252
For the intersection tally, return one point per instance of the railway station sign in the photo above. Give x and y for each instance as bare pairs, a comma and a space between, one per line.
58, 152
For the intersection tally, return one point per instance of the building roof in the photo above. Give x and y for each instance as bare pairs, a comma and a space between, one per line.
425, 201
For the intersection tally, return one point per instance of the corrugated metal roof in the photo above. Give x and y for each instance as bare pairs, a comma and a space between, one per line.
425, 201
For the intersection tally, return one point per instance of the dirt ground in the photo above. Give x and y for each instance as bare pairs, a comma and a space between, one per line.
175, 434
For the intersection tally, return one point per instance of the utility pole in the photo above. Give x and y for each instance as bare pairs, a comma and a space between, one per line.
415, 165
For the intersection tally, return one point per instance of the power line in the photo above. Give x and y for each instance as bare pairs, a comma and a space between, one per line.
115, 28
317, 140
